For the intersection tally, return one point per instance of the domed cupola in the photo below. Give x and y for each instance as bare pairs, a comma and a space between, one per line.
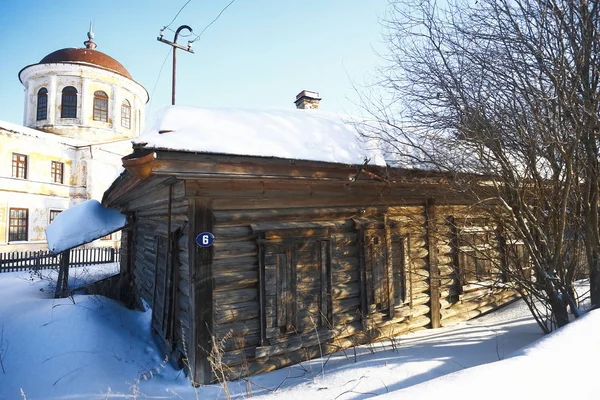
83, 93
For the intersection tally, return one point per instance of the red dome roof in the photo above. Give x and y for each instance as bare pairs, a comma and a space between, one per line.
86, 56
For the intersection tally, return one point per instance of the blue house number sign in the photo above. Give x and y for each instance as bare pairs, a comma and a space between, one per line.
205, 239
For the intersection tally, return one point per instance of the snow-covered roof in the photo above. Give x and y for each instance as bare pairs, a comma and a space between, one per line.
25, 131
82, 224
292, 134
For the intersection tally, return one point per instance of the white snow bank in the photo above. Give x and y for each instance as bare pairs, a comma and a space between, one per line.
558, 366
81, 224
90, 347
294, 134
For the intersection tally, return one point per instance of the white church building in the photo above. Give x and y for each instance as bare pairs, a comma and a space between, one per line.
82, 109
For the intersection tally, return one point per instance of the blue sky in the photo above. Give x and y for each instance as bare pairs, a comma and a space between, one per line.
260, 53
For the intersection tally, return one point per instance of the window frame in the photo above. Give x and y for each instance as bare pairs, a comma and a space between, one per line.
42, 104
57, 169
288, 239
20, 165
68, 103
399, 275
52, 213
126, 114
517, 259
17, 225
468, 233
100, 106
384, 282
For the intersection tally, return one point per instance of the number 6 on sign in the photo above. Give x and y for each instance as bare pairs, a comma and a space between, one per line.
205, 239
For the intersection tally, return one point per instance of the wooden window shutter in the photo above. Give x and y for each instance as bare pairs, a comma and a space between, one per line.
163, 286
276, 289
295, 283
325, 298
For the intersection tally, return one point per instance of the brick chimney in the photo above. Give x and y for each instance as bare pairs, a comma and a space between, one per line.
307, 100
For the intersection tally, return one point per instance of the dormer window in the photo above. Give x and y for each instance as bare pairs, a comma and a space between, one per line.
42, 104
69, 103
100, 106
126, 114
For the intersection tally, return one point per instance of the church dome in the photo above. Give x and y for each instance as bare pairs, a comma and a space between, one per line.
83, 93
86, 57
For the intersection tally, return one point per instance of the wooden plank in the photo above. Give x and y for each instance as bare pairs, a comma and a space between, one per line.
325, 281
237, 312
434, 282
389, 270
261, 296
235, 217
231, 279
201, 217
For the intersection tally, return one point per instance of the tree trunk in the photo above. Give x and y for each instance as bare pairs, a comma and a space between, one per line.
594, 268
559, 310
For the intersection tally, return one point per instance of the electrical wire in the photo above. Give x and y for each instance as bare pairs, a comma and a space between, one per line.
158, 78
213, 21
176, 15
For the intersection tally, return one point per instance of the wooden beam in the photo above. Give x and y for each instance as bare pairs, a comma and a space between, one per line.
389, 270
201, 307
434, 273
62, 283
360, 244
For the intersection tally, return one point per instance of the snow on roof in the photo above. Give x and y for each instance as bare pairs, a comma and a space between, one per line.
81, 224
293, 134
23, 130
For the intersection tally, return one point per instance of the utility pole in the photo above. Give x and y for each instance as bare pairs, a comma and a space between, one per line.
175, 47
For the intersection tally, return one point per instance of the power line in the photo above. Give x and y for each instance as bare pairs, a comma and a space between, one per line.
213, 21
158, 78
176, 15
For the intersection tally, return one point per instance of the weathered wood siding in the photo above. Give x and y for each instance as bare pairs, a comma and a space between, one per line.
361, 258
462, 300
244, 209
150, 206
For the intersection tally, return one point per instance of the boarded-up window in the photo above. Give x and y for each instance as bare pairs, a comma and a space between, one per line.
517, 260
399, 269
377, 281
384, 272
163, 287
477, 255
295, 283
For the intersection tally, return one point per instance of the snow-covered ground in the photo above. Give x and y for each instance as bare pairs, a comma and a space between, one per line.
90, 347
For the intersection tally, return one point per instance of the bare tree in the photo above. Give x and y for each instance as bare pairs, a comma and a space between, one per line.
506, 90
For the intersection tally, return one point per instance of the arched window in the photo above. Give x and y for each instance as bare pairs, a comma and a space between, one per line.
100, 106
42, 104
126, 114
69, 103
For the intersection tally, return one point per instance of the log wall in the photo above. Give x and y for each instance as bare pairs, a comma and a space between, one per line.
156, 208
237, 292
403, 226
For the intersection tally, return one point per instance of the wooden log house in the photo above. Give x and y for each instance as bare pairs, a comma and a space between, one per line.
309, 257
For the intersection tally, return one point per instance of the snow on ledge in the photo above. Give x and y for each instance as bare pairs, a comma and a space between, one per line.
82, 224
292, 134
38, 134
